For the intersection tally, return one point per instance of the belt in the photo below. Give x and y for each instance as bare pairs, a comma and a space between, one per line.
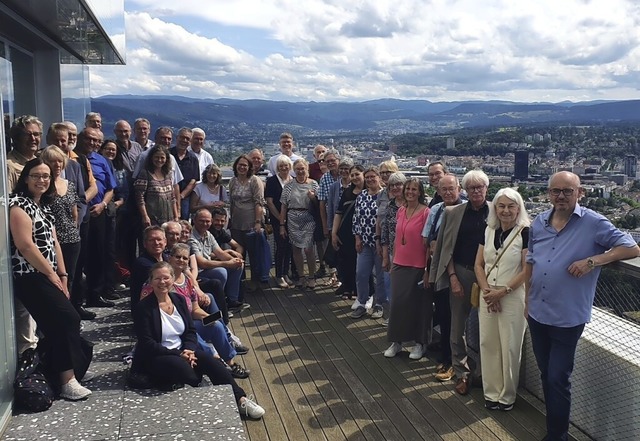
297, 209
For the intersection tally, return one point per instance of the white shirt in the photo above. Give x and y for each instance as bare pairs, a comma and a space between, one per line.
273, 167
176, 173
172, 328
204, 160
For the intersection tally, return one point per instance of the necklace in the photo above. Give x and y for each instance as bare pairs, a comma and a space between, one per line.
303, 182
407, 218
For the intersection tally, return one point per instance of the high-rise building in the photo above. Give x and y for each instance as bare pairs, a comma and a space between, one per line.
451, 143
521, 168
630, 166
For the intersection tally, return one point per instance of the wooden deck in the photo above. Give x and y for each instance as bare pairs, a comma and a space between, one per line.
321, 375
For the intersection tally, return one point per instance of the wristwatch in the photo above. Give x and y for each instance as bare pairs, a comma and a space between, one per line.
508, 289
591, 263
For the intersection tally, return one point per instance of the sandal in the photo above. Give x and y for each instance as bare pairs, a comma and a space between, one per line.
238, 371
347, 296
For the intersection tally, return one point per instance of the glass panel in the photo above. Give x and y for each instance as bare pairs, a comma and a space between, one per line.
6, 92
76, 101
75, 26
7, 334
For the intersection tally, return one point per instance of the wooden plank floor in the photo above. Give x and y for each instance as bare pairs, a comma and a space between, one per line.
321, 375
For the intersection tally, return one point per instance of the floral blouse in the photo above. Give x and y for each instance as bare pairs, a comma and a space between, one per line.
364, 217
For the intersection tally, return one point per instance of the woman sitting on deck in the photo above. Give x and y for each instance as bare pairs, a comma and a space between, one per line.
167, 348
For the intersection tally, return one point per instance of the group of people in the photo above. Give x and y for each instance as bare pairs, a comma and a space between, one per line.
413, 262
542, 275
82, 192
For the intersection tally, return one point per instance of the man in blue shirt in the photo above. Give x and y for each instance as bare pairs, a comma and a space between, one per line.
567, 246
99, 268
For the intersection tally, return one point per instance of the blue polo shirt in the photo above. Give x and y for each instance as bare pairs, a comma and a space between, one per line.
556, 297
104, 177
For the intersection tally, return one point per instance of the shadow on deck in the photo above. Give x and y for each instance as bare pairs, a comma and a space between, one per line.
318, 373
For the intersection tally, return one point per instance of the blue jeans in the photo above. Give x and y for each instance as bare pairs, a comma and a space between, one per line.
555, 350
368, 261
185, 205
216, 334
229, 279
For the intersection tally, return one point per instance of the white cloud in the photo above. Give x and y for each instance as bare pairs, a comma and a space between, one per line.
335, 50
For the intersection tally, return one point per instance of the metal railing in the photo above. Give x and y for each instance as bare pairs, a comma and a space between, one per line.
606, 377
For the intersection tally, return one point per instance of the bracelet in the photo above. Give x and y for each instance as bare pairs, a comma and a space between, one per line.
63, 275
452, 274
105, 204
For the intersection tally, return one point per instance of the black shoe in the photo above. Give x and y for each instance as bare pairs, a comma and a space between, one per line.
238, 371
85, 314
100, 302
491, 405
322, 272
505, 407
111, 296
240, 349
236, 307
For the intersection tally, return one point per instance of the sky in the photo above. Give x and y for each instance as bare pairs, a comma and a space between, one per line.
358, 50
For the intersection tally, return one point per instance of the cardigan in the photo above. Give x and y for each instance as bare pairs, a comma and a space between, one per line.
148, 329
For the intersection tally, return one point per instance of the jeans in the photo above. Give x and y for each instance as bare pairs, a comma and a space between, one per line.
368, 261
555, 350
216, 334
185, 205
229, 279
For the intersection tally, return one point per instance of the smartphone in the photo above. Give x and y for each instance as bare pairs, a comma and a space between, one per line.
212, 318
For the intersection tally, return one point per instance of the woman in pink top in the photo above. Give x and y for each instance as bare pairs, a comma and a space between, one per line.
409, 317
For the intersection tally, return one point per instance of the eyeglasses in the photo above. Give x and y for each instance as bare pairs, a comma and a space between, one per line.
396, 185
181, 257
40, 177
567, 192
447, 190
34, 134
476, 188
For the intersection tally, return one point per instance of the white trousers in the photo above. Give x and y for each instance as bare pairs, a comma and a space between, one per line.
501, 337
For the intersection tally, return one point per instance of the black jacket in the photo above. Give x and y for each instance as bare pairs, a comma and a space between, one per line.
148, 328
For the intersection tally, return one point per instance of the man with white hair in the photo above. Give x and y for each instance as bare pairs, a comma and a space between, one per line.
197, 147
93, 120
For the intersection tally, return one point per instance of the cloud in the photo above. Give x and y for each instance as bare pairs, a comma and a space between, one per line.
334, 50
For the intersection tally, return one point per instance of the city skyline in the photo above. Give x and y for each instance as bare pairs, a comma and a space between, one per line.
546, 51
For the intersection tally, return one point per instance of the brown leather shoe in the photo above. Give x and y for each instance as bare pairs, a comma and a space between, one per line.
463, 386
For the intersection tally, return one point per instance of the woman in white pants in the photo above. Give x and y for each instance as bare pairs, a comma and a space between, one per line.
500, 271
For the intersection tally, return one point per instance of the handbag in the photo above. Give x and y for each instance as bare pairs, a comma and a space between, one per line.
475, 288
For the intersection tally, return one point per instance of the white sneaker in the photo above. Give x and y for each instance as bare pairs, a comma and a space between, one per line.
251, 409
377, 312
393, 350
417, 352
369, 304
74, 391
356, 305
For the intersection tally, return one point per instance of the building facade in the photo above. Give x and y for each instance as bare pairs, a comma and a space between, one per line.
46, 47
